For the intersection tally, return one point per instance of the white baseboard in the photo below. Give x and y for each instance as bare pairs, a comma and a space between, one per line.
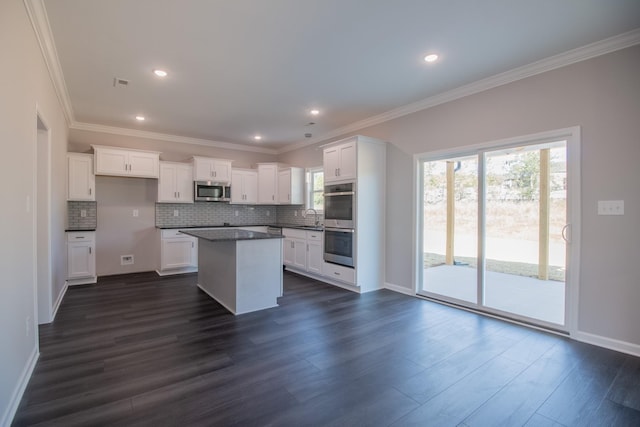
18, 392
56, 305
400, 289
177, 271
85, 281
610, 343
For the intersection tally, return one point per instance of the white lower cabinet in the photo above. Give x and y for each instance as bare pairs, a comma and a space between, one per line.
294, 248
81, 257
339, 272
178, 253
302, 250
315, 251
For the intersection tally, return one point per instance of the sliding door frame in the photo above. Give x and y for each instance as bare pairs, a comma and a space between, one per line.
572, 278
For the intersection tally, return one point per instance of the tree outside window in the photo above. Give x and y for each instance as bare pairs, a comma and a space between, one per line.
315, 189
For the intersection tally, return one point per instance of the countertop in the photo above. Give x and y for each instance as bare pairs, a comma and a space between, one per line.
195, 227
230, 235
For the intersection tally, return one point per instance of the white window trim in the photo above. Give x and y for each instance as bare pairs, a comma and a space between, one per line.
308, 189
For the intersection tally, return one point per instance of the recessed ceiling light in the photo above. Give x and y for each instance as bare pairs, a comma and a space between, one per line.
257, 137
160, 73
314, 112
432, 57
140, 118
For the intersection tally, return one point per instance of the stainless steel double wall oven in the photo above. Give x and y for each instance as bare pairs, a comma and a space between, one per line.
339, 223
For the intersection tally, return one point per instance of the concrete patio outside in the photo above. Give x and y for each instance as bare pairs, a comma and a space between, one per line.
524, 296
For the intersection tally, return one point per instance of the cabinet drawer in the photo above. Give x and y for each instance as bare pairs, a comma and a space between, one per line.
79, 236
295, 233
315, 236
168, 234
339, 272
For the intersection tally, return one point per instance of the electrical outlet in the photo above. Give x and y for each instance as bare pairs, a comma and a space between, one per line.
176, 212
236, 213
135, 212
126, 259
295, 213
83, 213
610, 207
268, 213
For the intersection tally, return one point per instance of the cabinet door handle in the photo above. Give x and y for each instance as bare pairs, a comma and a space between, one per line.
192, 244
89, 191
89, 250
178, 194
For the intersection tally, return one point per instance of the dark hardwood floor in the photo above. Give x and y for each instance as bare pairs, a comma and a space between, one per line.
139, 350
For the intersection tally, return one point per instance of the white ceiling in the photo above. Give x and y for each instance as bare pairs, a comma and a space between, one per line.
242, 67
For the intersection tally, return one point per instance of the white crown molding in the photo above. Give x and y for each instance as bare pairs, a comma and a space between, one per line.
40, 23
583, 53
167, 137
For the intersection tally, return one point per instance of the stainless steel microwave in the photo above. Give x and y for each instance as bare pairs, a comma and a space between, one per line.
208, 191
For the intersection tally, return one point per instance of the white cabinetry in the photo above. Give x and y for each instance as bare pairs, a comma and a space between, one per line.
339, 272
81, 257
340, 162
244, 187
294, 248
175, 184
208, 169
267, 183
314, 251
302, 250
125, 162
81, 182
361, 160
291, 186
178, 252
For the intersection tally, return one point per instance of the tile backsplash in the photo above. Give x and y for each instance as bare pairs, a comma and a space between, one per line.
295, 215
75, 220
203, 214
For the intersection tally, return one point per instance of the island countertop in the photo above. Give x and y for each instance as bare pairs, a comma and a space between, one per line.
230, 235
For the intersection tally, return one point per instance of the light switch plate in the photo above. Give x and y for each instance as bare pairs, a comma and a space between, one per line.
610, 207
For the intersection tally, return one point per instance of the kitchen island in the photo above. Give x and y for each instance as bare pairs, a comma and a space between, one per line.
240, 269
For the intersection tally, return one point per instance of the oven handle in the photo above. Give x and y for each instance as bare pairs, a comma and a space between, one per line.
343, 193
340, 230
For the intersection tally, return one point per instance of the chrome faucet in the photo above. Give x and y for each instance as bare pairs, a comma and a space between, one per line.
315, 216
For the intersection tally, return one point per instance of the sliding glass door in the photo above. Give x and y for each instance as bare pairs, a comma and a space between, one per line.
451, 227
494, 229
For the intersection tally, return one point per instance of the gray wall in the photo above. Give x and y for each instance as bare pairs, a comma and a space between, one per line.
25, 86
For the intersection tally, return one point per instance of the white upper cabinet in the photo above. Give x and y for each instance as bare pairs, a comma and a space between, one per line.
340, 162
267, 184
81, 182
244, 187
125, 162
175, 184
208, 169
291, 186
